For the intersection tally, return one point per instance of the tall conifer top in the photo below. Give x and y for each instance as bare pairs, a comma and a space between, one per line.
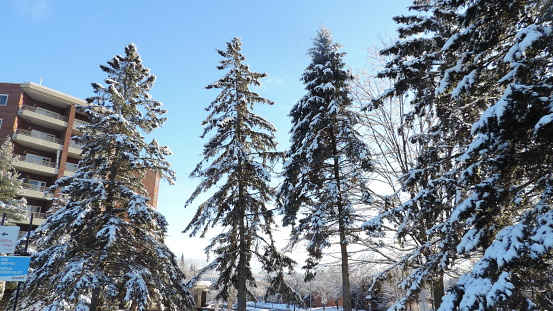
102, 247
326, 164
238, 161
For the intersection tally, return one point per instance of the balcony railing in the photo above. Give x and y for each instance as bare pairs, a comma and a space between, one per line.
33, 210
34, 187
71, 167
78, 123
45, 112
39, 136
38, 161
76, 145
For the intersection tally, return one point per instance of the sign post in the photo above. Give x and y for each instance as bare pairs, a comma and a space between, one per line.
13, 268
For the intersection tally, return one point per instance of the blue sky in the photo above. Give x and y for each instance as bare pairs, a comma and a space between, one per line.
64, 42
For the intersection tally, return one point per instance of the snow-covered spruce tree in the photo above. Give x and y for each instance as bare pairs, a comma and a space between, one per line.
388, 131
10, 184
326, 165
503, 59
431, 184
238, 159
495, 76
104, 248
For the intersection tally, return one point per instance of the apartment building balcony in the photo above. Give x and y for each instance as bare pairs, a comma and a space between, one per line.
33, 190
43, 117
36, 211
44, 141
76, 124
37, 140
70, 169
35, 165
75, 150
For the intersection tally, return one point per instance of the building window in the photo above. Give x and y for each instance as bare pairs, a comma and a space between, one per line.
0, 123
3, 99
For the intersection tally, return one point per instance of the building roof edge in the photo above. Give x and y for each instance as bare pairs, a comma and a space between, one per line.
50, 96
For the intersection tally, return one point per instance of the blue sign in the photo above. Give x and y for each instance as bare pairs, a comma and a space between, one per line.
14, 268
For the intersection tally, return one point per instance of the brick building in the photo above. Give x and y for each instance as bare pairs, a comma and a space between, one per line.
40, 122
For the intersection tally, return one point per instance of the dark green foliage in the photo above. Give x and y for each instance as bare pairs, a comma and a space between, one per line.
103, 246
238, 161
483, 182
9, 186
326, 164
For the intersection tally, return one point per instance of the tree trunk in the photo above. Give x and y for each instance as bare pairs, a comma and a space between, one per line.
231, 297
346, 288
241, 296
438, 291
242, 256
94, 299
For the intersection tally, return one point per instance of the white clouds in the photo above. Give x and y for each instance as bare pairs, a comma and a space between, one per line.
37, 10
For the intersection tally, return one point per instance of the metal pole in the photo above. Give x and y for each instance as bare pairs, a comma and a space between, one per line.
24, 254
3, 218
28, 235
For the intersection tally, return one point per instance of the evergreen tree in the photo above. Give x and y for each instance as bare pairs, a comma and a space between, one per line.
388, 130
238, 158
10, 184
103, 248
503, 59
11, 208
490, 174
431, 183
326, 165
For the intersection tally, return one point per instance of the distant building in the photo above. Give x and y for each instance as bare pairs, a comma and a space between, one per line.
40, 122
200, 295
319, 301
